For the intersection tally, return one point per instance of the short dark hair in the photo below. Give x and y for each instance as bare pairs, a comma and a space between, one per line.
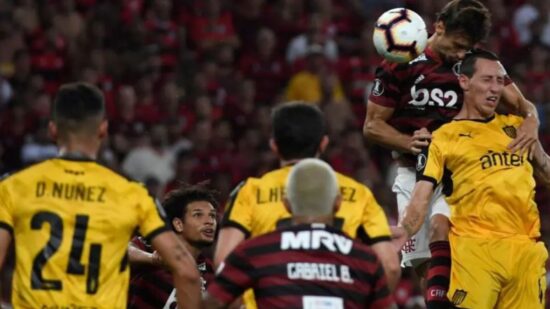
468, 64
468, 17
298, 129
176, 201
78, 107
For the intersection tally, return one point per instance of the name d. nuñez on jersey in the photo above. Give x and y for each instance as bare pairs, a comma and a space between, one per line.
504, 158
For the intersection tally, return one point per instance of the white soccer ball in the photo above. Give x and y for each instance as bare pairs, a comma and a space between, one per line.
400, 35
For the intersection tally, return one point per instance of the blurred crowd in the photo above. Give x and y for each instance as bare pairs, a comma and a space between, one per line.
189, 84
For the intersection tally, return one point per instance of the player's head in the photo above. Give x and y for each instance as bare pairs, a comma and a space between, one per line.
482, 79
298, 131
78, 111
312, 189
460, 25
192, 212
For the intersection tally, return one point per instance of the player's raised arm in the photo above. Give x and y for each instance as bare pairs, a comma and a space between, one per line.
418, 208
183, 268
527, 133
5, 240
377, 130
541, 165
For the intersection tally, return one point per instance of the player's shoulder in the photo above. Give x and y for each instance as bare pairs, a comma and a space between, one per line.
509, 119
120, 181
346, 181
25, 173
448, 130
395, 67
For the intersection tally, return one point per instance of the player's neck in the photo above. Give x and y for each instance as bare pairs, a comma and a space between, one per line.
82, 149
297, 220
195, 251
472, 113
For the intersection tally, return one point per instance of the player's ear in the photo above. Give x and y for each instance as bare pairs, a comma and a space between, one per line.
439, 27
324, 144
337, 203
273, 146
178, 225
464, 82
52, 130
103, 129
286, 202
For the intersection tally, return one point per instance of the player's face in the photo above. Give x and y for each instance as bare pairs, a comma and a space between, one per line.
199, 224
453, 47
485, 87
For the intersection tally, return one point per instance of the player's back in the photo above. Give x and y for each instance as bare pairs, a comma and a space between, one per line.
306, 266
257, 207
72, 220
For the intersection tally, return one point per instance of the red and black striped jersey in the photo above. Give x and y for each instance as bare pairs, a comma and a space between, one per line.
424, 92
151, 287
305, 266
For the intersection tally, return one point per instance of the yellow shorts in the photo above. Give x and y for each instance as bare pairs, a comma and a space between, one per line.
497, 273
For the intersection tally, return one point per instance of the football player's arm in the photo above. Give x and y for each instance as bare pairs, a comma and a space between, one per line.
235, 224
377, 130
416, 212
387, 255
183, 268
229, 238
137, 256
428, 176
375, 231
5, 240
6, 224
527, 133
211, 302
541, 165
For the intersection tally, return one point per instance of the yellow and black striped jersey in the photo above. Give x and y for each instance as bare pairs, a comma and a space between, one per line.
72, 220
489, 189
256, 207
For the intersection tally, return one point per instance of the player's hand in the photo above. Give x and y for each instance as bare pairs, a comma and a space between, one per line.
421, 138
526, 138
399, 237
157, 259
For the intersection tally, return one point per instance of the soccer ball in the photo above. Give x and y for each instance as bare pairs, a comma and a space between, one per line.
400, 35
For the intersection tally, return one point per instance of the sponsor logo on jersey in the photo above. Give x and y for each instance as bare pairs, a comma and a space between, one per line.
422, 97
469, 135
510, 131
313, 240
458, 297
421, 162
378, 87
456, 68
492, 158
422, 57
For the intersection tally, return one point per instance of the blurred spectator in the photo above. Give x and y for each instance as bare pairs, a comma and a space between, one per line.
38, 147
67, 20
185, 164
26, 16
164, 34
317, 83
524, 18
213, 27
265, 67
316, 35
152, 158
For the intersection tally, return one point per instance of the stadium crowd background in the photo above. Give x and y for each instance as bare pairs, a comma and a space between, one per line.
189, 84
